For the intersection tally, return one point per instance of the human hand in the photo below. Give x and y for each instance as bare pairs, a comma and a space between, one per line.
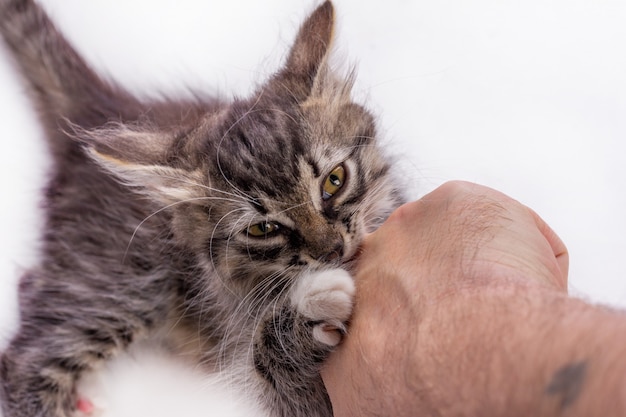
425, 315
465, 235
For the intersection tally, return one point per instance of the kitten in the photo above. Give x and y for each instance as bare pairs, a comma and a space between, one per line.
224, 229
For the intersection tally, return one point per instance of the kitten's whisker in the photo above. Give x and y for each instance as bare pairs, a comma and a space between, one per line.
215, 228
236, 230
260, 317
188, 200
279, 336
208, 188
276, 109
295, 207
219, 147
251, 302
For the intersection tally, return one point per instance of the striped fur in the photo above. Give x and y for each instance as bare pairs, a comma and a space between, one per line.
149, 213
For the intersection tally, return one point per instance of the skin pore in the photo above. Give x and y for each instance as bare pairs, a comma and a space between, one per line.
462, 310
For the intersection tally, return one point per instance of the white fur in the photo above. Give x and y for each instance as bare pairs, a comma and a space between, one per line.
148, 382
325, 296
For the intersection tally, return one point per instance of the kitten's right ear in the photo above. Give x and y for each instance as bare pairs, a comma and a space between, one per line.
309, 53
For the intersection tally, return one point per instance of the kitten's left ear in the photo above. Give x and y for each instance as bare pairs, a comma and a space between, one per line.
140, 158
308, 56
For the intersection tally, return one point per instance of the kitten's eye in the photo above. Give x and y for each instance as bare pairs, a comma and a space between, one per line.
334, 181
262, 229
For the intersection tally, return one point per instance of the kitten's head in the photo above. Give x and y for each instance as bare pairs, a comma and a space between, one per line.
289, 179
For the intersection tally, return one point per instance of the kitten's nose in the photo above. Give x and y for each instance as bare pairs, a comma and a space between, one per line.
334, 254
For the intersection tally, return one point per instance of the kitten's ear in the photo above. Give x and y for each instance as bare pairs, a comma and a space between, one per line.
307, 58
139, 158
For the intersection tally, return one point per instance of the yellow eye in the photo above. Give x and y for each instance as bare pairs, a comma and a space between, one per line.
334, 181
262, 229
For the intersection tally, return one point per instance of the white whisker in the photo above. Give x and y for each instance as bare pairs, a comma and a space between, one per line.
219, 147
211, 189
188, 200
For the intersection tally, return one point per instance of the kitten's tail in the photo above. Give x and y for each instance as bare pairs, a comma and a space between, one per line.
60, 82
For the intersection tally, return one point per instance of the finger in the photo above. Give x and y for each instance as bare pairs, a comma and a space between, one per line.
558, 248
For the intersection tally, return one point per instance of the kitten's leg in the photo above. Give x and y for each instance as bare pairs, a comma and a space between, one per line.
295, 340
61, 336
39, 372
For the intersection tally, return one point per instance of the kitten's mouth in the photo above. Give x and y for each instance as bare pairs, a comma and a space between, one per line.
351, 263
338, 260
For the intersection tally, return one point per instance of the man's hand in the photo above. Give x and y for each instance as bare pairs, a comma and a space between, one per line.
461, 309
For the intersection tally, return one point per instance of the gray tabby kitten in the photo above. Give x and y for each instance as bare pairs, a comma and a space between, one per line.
228, 226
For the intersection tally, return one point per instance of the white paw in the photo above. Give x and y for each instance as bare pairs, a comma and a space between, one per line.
90, 392
325, 297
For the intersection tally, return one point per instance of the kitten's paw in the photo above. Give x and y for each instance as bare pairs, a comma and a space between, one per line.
90, 401
325, 298
85, 407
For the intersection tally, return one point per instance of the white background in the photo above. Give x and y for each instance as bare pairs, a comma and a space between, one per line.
526, 97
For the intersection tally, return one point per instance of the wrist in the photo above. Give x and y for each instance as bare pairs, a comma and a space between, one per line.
536, 352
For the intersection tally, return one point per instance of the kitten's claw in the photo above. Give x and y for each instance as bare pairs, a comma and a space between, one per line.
328, 334
325, 298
